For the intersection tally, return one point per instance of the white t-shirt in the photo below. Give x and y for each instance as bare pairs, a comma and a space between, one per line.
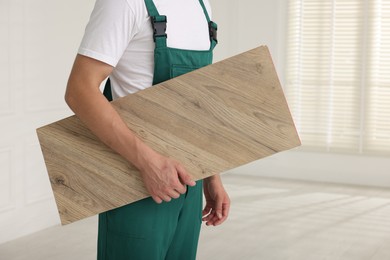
119, 33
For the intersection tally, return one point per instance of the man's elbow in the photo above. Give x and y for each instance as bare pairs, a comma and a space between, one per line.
70, 97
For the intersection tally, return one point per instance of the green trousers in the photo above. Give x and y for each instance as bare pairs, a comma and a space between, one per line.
146, 230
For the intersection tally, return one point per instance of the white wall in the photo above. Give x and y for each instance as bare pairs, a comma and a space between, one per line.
38, 42
247, 24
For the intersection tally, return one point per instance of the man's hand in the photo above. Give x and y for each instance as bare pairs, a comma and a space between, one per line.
217, 206
164, 178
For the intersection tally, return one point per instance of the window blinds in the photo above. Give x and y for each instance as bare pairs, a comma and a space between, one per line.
378, 108
338, 73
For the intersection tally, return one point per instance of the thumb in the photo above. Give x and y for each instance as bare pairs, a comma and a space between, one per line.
184, 177
218, 207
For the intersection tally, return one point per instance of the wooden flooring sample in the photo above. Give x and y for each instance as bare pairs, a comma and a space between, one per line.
211, 120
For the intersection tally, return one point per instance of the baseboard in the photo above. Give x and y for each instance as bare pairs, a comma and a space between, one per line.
322, 167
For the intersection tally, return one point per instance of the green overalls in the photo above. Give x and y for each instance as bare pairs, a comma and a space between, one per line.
146, 230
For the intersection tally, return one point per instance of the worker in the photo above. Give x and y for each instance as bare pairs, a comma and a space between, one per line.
139, 43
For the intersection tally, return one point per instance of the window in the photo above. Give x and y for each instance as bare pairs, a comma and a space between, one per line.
338, 74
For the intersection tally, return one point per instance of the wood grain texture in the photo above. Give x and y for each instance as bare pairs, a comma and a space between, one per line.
211, 120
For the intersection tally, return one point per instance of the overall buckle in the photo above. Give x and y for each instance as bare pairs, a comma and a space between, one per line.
213, 31
159, 26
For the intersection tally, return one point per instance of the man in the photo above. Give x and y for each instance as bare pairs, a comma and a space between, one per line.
126, 40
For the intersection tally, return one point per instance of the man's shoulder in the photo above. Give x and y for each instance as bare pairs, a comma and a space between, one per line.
135, 4
138, 8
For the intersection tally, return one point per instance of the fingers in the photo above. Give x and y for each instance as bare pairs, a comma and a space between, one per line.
209, 219
226, 210
173, 194
167, 197
215, 213
208, 214
206, 211
225, 213
180, 188
213, 220
184, 177
168, 194
218, 208
165, 179
157, 199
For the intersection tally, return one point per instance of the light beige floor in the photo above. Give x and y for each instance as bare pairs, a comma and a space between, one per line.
270, 219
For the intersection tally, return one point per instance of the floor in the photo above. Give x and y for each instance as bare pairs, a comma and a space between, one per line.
270, 219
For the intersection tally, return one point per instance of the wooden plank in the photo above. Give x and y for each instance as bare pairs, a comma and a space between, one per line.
211, 120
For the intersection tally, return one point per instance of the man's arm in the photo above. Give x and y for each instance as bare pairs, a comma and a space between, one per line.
164, 177
217, 206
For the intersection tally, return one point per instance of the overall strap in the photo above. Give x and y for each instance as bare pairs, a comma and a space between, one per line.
205, 11
159, 24
212, 27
